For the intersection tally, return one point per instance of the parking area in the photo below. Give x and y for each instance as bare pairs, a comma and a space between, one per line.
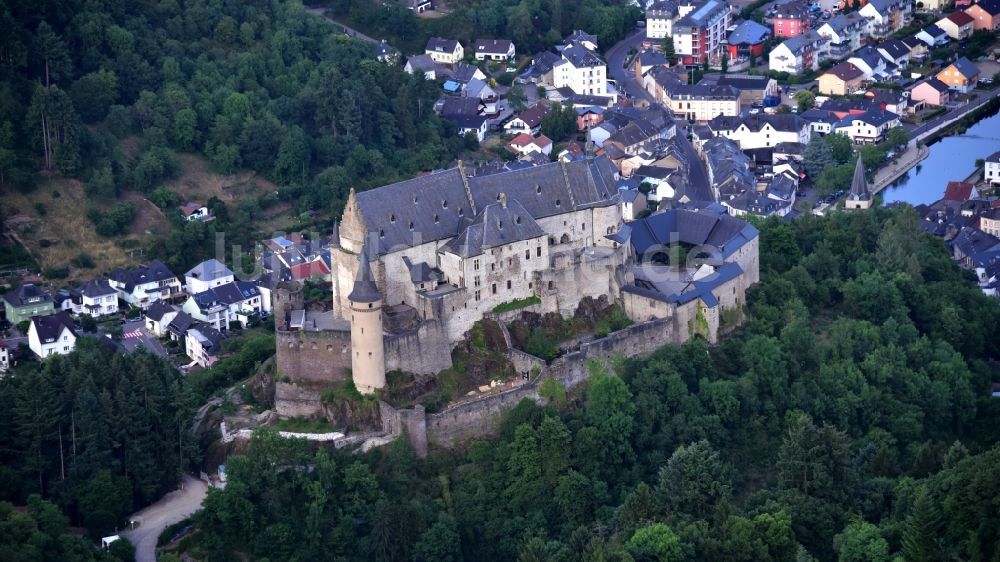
135, 334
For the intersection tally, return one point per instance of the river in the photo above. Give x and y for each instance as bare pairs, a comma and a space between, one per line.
952, 158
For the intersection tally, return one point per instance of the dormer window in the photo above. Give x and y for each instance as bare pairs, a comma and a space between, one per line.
381, 233
435, 219
415, 199
392, 218
538, 188
558, 202
498, 196
461, 212
500, 225
517, 219
444, 204
411, 225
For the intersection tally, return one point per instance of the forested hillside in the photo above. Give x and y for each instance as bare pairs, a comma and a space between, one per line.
533, 25
849, 420
260, 85
98, 433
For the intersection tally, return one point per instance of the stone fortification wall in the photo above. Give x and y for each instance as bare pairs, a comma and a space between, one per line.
313, 356
481, 417
424, 350
292, 400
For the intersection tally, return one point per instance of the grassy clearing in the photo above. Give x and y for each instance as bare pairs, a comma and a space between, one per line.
304, 425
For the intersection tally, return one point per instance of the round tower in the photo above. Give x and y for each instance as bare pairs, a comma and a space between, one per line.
287, 297
367, 346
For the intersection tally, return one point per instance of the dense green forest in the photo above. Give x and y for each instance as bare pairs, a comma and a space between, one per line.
849, 419
261, 85
533, 25
100, 434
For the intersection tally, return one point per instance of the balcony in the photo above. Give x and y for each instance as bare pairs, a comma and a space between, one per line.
839, 50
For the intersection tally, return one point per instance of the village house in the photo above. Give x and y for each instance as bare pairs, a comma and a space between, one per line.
985, 15
790, 19
444, 51
886, 17
145, 285
895, 52
580, 70
918, 49
51, 335
961, 75
385, 52
958, 25
158, 316
634, 202
989, 222
525, 144
960, 191
893, 101
28, 300
800, 54
753, 89
495, 49
220, 306
194, 212
991, 169
841, 80
528, 121
747, 40
700, 34
421, 64
695, 102
207, 274
761, 130
314, 270
844, 32
873, 64
820, 121
869, 127
419, 6
646, 60
933, 36
95, 297
660, 17
203, 344
588, 117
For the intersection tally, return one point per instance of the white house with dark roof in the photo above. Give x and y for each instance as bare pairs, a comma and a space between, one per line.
844, 32
933, 36
886, 17
761, 131
869, 127
206, 275
495, 49
51, 335
528, 121
991, 169
145, 285
444, 51
800, 54
660, 18
203, 344
95, 297
236, 301
158, 316
581, 70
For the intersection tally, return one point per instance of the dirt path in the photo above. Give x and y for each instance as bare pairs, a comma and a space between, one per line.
171, 508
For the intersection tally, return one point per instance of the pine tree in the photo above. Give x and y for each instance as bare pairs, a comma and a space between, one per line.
669, 51
920, 532
817, 156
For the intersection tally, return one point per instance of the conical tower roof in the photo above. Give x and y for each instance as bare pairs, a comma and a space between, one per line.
365, 289
859, 186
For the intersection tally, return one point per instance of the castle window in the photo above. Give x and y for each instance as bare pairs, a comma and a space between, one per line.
493, 267
538, 250
552, 240
527, 254
369, 354
475, 265
369, 305
362, 330
508, 284
583, 226
476, 281
494, 288
550, 285
530, 285
329, 348
477, 295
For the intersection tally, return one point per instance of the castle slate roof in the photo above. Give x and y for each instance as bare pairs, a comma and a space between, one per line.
726, 233
50, 327
498, 224
654, 282
155, 272
26, 294
437, 206
365, 289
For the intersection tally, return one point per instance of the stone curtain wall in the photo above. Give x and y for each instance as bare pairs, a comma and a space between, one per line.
424, 351
313, 356
481, 417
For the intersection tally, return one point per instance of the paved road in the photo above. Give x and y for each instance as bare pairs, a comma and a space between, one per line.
321, 12
616, 57
135, 333
173, 507
984, 97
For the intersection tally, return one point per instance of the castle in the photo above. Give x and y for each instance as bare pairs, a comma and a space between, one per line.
418, 262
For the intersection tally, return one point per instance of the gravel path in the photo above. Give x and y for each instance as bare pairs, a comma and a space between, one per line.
171, 508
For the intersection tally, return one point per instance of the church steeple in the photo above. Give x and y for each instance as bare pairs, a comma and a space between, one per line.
859, 185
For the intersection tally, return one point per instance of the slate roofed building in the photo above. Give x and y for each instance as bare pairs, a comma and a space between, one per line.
146, 284
28, 300
237, 301
747, 40
494, 49
207, 274
203, 344
51, 335
444, 51
842, 79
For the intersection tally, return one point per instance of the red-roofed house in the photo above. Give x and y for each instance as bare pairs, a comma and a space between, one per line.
960, 191
526, 144
958, 25
195, 212
310, 270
